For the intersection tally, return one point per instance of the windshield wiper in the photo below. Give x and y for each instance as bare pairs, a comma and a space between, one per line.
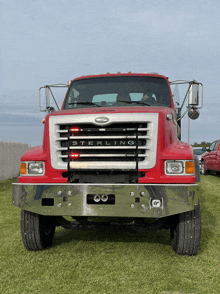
137, 102
142, 102
85, 103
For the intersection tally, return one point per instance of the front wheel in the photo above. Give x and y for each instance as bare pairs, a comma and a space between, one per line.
37, 230
204, 170
186, 232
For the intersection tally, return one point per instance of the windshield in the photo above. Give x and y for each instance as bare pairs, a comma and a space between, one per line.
118, 91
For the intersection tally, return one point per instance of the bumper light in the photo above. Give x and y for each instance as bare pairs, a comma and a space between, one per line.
35, 168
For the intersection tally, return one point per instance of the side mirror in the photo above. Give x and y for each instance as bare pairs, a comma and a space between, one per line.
193, 113
194, 95
48, 92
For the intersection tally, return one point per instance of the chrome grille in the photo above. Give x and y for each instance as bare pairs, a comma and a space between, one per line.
127, 141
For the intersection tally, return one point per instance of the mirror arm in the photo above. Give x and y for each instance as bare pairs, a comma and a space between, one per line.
182, 115
54, 99
185, 97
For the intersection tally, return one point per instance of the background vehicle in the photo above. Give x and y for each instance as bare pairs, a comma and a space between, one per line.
210, 160
113, 152
198, 151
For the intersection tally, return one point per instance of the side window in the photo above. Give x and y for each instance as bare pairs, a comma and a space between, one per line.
216, 146
212, 146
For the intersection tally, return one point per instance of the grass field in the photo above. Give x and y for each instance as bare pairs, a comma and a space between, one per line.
102, 262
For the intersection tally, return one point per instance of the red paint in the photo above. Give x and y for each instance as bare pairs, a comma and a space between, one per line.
212, 157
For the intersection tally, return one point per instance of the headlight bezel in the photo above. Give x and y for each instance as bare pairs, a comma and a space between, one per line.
30, 169
175, 162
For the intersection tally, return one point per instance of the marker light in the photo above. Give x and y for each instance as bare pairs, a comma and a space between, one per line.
74, 129
74, 155
189, 167
23, 168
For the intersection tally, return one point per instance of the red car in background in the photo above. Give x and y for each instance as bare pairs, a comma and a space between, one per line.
210, 160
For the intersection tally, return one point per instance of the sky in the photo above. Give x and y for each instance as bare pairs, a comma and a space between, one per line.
48, 42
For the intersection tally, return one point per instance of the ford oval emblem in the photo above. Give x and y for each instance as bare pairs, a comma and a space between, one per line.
101, 120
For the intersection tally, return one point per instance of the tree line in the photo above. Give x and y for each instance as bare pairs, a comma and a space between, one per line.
202, 144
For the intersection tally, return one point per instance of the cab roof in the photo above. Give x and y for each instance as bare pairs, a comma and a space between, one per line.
107, 75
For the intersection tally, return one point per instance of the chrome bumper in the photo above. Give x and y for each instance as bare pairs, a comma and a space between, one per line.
140, 200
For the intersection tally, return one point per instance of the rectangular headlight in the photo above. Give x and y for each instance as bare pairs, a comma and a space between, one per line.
174, 167
35, 168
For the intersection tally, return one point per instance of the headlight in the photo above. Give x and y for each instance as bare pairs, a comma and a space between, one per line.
32, 168
35, 168
174, 167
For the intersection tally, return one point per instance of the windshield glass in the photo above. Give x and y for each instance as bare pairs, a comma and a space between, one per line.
118, 91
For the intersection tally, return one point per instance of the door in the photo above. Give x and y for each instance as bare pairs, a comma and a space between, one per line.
217, 156
209, 157
213, 155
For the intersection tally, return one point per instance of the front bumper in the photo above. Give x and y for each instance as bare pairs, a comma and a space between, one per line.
139, 200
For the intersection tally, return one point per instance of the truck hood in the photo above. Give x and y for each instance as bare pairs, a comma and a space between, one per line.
122, 109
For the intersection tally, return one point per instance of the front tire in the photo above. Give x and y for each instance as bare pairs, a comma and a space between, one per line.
186, 232
204, 170
37, 230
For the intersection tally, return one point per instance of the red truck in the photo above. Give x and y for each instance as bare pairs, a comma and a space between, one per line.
113, 153
210, 160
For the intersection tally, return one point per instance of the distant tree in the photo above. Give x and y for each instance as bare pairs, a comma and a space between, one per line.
202, 144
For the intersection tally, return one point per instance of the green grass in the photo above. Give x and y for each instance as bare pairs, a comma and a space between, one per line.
102, 262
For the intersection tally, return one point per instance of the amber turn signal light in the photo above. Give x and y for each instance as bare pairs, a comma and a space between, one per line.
190, 167
23, 168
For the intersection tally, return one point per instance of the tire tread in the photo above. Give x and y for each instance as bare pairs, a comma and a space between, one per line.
32, 231
186, 234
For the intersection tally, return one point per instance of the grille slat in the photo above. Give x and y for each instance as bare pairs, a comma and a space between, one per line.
106, 147
62, 131
109, 155
62, 139
62, 148
106, 137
